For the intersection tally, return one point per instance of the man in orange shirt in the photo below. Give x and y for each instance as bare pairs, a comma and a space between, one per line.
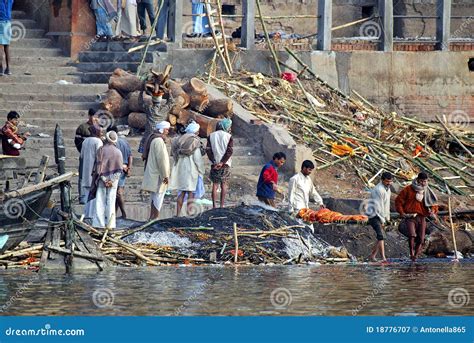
414, 203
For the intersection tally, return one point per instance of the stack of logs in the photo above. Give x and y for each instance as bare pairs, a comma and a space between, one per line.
190, 101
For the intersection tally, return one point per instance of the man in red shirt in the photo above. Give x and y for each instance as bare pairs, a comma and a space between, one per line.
268, 180
414, 203
12, 141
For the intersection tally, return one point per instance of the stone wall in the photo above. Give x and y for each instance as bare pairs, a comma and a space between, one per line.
422, 84
345, 11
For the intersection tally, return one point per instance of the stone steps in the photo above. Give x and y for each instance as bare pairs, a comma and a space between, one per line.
46, 97
113, 57
102, 58
52, 89
40, 70
38, 61
44, 104
50, 108
34, 33
36, 43
123, 46
24, 23
241, 145
49, 52
92, 67
18, 14
35, 79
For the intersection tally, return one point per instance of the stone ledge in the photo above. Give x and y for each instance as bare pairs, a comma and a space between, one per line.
272, 137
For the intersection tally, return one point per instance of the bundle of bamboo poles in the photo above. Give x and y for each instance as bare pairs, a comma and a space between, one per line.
23, 256
330, 122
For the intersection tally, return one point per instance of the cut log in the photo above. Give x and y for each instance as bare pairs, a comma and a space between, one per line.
172, 119
219, 108
124, 82
185, 116
178, 93
207, 124
137, 120
134, 104
115, 104
195, 87
199, 102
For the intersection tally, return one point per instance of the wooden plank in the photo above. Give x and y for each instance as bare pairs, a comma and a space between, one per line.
42, 169
42, 185
75, 252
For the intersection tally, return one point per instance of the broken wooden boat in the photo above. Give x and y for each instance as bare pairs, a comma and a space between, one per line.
21, 207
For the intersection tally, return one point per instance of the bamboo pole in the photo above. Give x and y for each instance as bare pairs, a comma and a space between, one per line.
139, 47
224, 40
22, 252
452, 224
236, 241
455, 138
207, 7
267, 38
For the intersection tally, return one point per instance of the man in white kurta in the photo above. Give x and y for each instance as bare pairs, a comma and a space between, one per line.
89, 149
301, 189
157, 170
188, 166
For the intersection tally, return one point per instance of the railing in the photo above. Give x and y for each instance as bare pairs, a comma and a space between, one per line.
323, 19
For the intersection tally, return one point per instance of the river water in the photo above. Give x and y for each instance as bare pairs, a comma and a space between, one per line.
401, 288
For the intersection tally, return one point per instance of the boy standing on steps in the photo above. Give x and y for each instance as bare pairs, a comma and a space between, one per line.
5, 33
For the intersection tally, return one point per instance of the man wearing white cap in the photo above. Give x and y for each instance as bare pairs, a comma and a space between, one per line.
107, 172
188, 166
157, 167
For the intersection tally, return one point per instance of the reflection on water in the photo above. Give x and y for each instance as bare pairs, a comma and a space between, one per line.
397, 289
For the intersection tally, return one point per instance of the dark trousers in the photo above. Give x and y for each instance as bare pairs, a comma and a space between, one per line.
417, 228
143, 9
163, 22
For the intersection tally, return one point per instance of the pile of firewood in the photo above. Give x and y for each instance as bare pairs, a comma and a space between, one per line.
189, 101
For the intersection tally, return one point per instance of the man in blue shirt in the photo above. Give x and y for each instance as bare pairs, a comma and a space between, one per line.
5, 33
268, 180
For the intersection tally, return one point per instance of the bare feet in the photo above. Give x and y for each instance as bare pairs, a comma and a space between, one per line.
372, 258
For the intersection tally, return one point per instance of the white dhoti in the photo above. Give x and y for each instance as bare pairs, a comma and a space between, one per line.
157, 199
89, 205
104, 213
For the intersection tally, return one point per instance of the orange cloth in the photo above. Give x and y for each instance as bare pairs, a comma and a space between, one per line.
406, 203
325, 215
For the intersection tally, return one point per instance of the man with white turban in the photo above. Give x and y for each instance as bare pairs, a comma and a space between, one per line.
157, 167
188, 166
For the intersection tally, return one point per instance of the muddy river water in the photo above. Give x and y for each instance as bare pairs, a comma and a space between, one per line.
401, 288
